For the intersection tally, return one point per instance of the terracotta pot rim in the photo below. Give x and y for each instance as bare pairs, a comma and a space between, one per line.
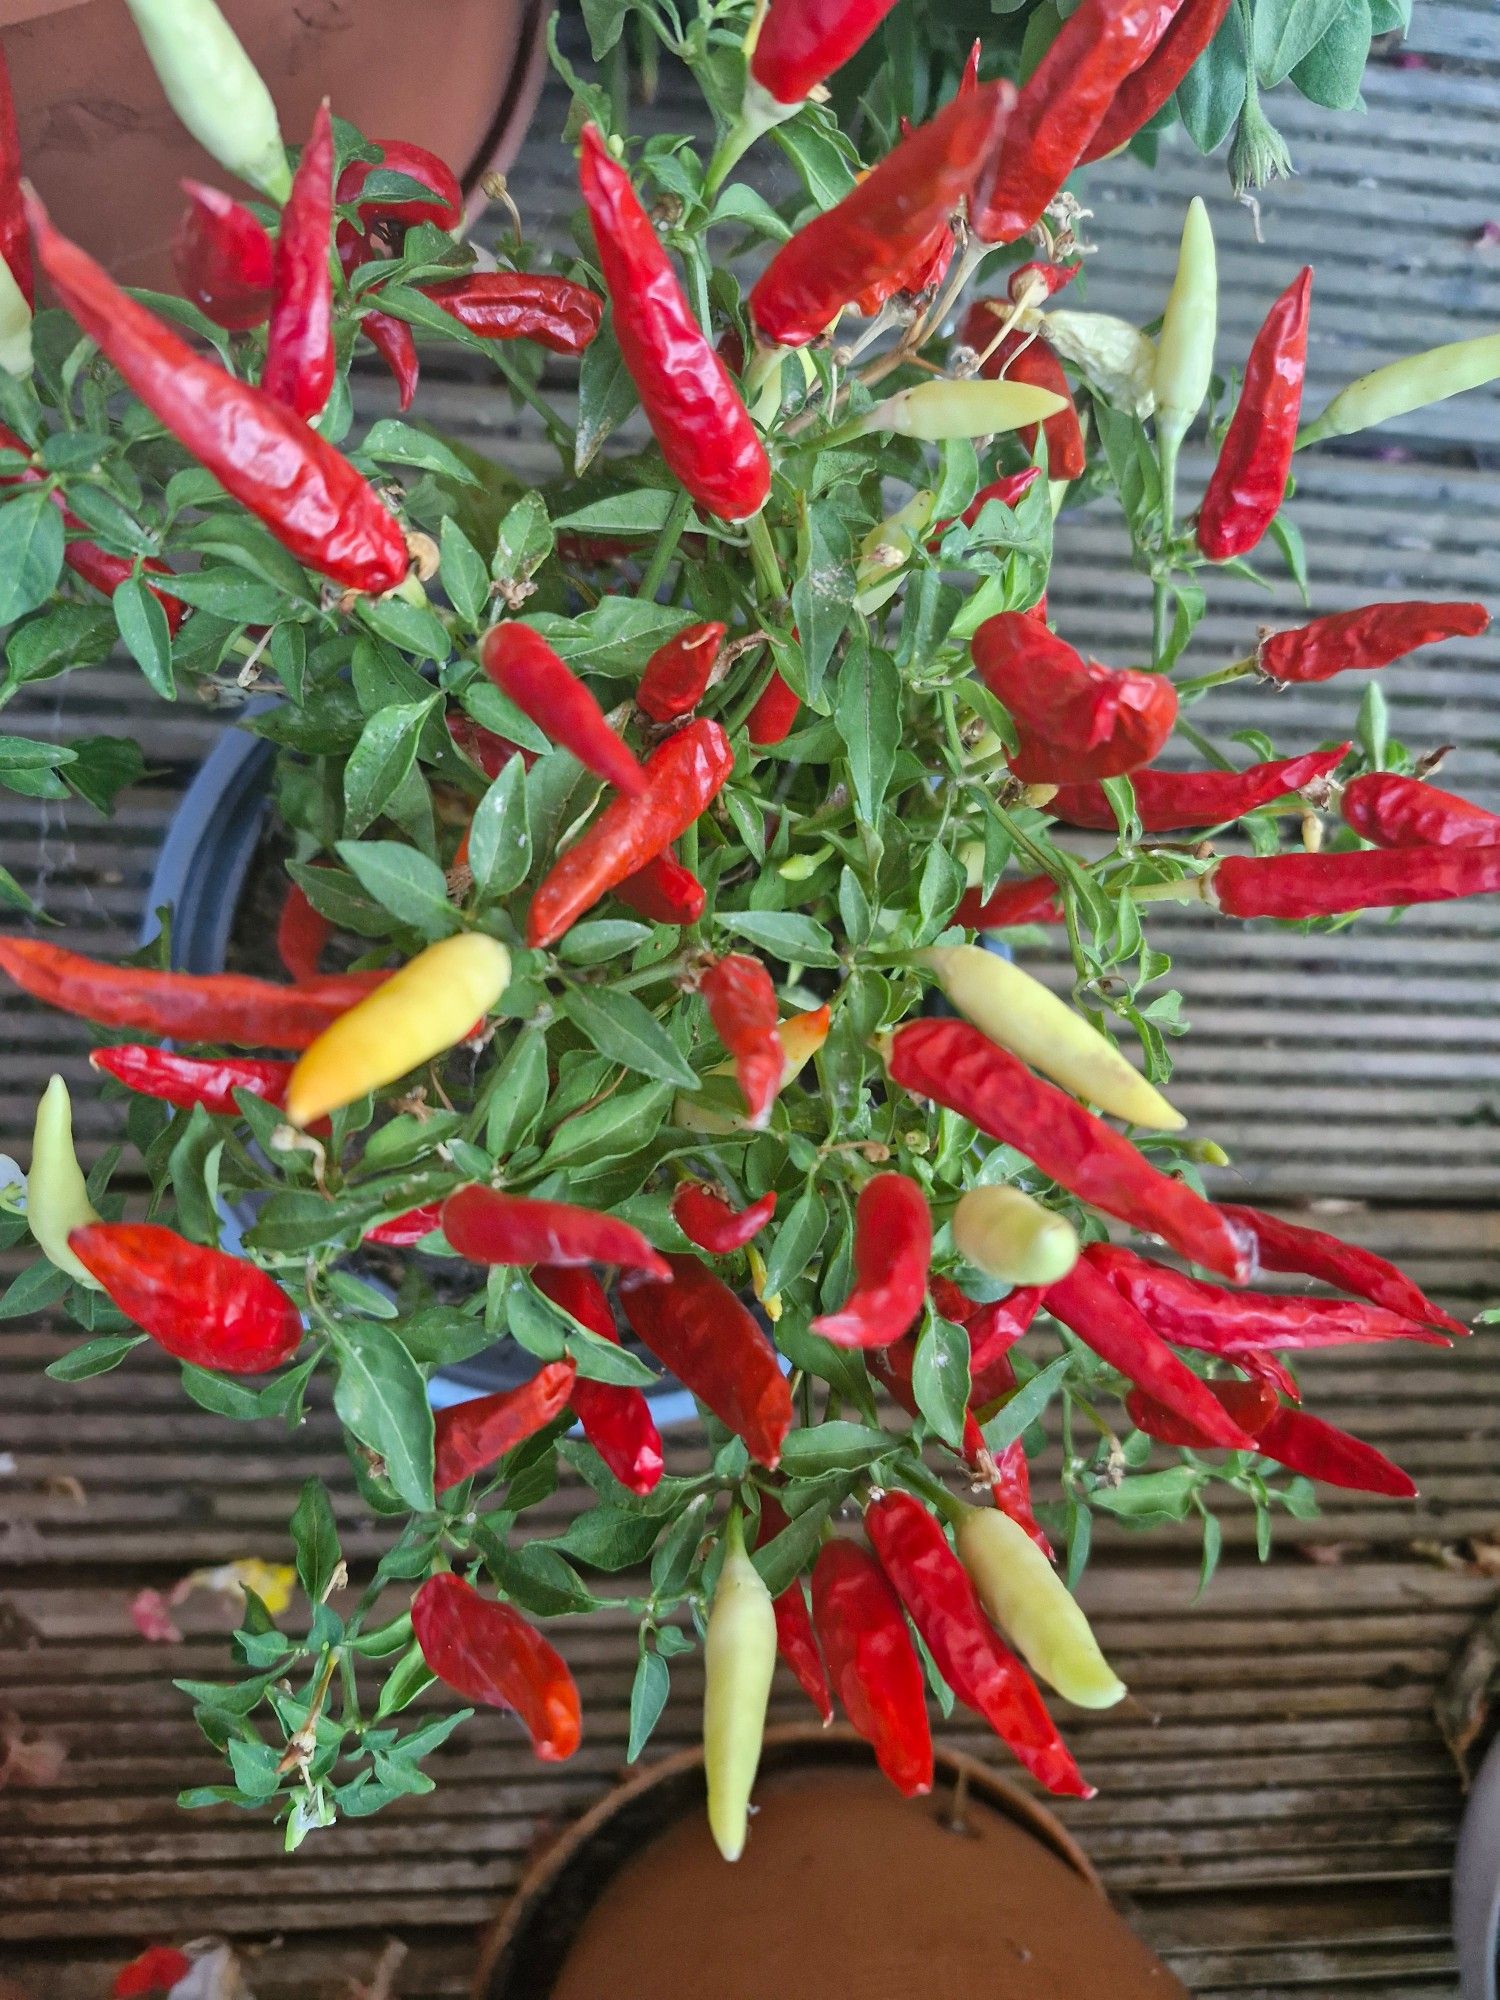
523, 88
782, 1745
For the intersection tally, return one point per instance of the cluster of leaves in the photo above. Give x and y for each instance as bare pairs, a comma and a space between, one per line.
834, 856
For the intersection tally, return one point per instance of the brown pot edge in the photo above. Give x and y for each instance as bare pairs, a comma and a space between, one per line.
543, 1871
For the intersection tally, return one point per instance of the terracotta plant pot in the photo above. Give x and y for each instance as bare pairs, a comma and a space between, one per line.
845, 1888
106, 152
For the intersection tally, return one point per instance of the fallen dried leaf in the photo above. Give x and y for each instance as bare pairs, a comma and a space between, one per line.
1462, 1702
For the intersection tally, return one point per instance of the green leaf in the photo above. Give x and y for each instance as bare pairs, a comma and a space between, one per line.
102, 767
518, 1095
1332, 71
1027, 1404
782, 1559
148, 637
798, 940
622, 1029
616, 638
823, 593
31, 552
464, 575
796, 1241
524, 542
403, 444
644, 510
609, 1538
381, 761
94, 1357
382, 1399
404, 882
500, 846
606, 395
63, 636
648, 1697
414, 628
38, 1286
222, 1395
315, 1538
614, 1130
814, 146
600, 1360
833, 1447
1211, 94
940, 1378
608, 937
1286, 31
867, 714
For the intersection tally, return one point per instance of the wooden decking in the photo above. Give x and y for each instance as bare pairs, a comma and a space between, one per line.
1276, 1805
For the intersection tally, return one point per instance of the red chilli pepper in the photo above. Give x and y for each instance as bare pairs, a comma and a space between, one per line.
1250, 1405
1248, 483
396, 344
802, 43
892, 1252
521, 305
472, 1436
1034, 901
933, 1585
678, 673
189, 1007
1311, 1253
993, 1331
155, 1970
702, 1331
796, 1641
1404, 812
689, 396
1029, 282
201, 1305
224, 259
930, 263
664, 892
1298, 886
1167, 800
1061, 106
955, 1065
301, 934
444, 206
526, 670
1075, 719
483, 747
683, 776
742, 1006
402, 1231
300, 363
616, 1420
187, 1081
488, 1653
1373, 636
1302, 1443
489, 1227
705, 1218
1008, 490
1117, 1331
309, 496
872, 1663
775, 713
1009, 1479
15, 243
884, 224
1026, 357
1146, 90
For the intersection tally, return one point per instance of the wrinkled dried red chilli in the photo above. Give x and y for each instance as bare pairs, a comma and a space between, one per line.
802, 42
396, 344
892, 1251
677, 673
521, 305
1075, 719
1248, 482
932, 258
186, 1081
474, 1436
615, 1418
707, 1220
1373, 636
1009, 1480
1294, 1439
1166, 801
1312, 1253
490, 1227
201, 1305
664, 892
443, 205
872, 1664
1034, 901
486, 1652
796, 1641
994, 1330
1143, 93
1026, 357
1296, 887
532, 675
742, 1006
1028, 282
224, 259
300, 359
1394, 811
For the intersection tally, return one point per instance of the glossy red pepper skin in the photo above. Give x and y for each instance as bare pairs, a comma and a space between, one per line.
471, 1437
1250, 1405
223, 259
1009, 1480
483, 747
301, 934
402, 1231
953, 1064
155, 1970
884, 224
444, 206
189, 1007
993, 1331
1248, 483
489, 1227
1034, 901
706, 1219
1209, 1317
678, 673
1061, 106
1026, 281
934, 1587
872, 1663
201, 1305
741, 1004
1292, 1438
1373, 636
684, 775
1026, 357
300, 363
396, 344
1075, 719
1109, 1323
1166, 801
1295, 887
522, 305
700, 1329
1142, 94
616, 1420
1312, 1253
527, 670
688, 395
775, 713
796, 1641
931, 260
802, 43
664, 892
1405, 812
186, 1081
488, 1653
15, 241
892, 1252
309, 496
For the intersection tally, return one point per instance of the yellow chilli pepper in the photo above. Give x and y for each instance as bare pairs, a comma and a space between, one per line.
57, 1199
433, 1002
1185, 345
739, 1656
1020, 1014
1404, 386
941, 409
1025, 1597
215, 89
1007, 1235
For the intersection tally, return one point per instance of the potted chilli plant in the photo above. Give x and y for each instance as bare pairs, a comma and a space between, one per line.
659, 812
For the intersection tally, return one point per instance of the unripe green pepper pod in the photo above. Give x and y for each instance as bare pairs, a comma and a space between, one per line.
936, 410
739, 1656
1025, 1597
1404, 386
1008, 1236
57, 1199
15, 325
215, 89
1185, 345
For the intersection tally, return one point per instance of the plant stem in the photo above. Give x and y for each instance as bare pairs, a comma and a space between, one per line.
1201, 683
1167, 444
666, 546
763, 557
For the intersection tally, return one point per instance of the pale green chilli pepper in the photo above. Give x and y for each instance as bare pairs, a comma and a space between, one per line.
57, 1199
1185, 345
215, 89
739, 1657
1404, 386
15, 325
